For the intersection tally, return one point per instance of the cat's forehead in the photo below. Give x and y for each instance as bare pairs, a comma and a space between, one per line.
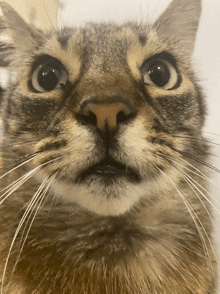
102, 44
103, 40
106, 35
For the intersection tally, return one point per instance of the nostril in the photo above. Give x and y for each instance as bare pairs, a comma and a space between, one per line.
121, 117
89, 118
107, 115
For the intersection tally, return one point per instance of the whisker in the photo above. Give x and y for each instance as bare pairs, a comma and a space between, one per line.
199, 171
9, 187
196, 171
205, 177
32, 157
54, 29
36, 202
197, 159
31, 204
20, 159
16, 184
194, 145
18, 144
193, 187
193, 180
189, 178
194, 217
29, 208
197, 139
217, 135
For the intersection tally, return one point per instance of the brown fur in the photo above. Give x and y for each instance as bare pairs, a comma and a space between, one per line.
146, 232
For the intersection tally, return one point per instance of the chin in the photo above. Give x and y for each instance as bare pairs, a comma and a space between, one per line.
104, 196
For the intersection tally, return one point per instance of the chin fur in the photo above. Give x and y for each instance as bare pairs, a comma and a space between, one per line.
102, 199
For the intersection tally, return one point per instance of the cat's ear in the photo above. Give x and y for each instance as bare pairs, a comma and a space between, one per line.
22, 34
179, 23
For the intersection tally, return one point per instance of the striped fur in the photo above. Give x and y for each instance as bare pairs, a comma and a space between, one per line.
114, 208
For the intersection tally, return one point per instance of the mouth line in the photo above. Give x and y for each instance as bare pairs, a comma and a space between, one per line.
110, 169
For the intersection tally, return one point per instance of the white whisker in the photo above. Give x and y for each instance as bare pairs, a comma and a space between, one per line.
205, 190
194, 217
207, 199
31, 207
13, 169
31, 204
36, 200
202, 176
201, 173
16, 184
18, 144
196, 171
193, 187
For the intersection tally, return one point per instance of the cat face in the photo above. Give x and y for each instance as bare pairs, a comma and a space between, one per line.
106, 107
104, 164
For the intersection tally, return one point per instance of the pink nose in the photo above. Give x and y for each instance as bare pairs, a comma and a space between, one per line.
106, 114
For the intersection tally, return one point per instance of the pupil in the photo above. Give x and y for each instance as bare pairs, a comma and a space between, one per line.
159, 73
48, 77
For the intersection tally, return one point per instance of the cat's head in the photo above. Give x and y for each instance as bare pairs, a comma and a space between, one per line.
105, 108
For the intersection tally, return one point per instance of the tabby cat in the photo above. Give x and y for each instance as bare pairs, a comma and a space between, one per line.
103, 164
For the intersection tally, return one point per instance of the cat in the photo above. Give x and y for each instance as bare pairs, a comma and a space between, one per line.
104, 167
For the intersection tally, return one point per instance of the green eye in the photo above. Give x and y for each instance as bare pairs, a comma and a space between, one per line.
48, 76
160, 73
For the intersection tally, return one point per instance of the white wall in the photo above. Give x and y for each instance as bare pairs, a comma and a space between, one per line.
206, 56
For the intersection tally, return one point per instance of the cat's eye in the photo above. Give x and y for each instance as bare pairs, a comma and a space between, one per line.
48, 76
160, 73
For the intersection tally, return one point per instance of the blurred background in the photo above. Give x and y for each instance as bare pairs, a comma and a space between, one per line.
52, 14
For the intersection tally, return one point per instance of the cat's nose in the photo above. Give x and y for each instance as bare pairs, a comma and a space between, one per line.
107, 115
